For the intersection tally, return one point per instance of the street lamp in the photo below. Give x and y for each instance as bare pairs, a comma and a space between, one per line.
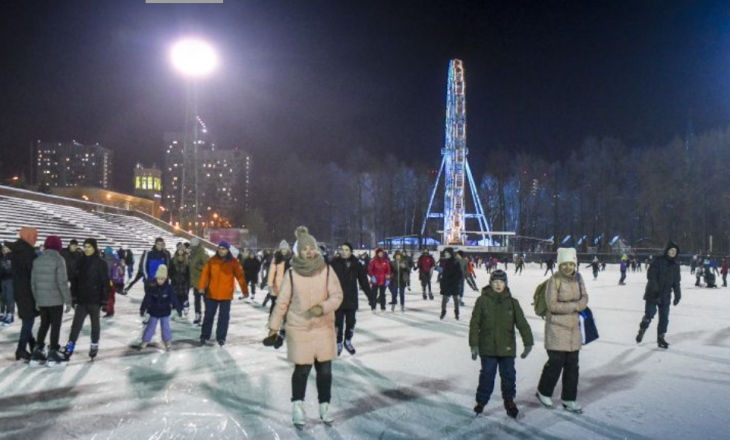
194, 59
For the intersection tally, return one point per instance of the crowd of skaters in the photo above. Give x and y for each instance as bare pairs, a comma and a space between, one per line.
314, 300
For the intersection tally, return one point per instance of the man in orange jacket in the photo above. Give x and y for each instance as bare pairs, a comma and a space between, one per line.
217, 281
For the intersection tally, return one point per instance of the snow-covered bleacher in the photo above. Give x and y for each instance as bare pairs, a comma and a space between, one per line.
67, 222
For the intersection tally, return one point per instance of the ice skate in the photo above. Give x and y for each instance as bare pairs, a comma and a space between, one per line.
545, 400
93, 351
56, 359
168, 345
640, 335
325, 414
339, 348
661, 343
298, 417
479, 408
142, 346
196, 322
443, 313
573, 407
348, 346
38, 357
402, 308
512, 411
392, 308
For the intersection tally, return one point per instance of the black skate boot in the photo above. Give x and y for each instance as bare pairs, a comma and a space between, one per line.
511, 408
640, 335
56, 359
38, 357
93, 351
479, 407
68, 350
443, 313
348, 346
661, 342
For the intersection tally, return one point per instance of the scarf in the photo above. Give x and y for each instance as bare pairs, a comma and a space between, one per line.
307, 267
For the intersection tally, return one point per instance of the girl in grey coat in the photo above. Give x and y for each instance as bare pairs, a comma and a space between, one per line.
49, 283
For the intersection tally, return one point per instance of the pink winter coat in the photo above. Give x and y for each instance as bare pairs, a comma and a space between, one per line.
308, 337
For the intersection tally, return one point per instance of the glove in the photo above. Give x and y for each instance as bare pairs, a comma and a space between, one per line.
526, 351
373, 279
676, 301
316, 311
67, 309
474, 353
387, 283
141, 313
270, 340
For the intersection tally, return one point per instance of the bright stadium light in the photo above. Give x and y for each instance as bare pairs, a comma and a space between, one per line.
194, 58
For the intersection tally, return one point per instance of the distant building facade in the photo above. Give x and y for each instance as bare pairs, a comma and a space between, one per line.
224, 179
72, 164
148, 182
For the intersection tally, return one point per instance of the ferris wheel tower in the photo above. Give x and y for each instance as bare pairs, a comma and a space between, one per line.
455, 167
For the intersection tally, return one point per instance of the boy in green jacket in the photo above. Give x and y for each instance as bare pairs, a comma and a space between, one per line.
492, 337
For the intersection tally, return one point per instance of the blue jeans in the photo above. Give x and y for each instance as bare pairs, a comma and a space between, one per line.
650, 309
7, 305
623, 276
26, 334
396, 291
507, 376
211, 307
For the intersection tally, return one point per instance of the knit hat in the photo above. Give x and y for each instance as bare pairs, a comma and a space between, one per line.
284, 245
348, 245
161, 271
449, 250
73, 241
194, 242
567, 255
53, 242
304, 239
224, 244
108, 251
498, 275
92, 243
29, 235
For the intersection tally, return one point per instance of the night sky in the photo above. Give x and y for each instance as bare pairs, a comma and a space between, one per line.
320, 78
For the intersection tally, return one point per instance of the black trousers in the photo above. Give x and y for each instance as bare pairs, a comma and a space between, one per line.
82, 311
324, 381
252, 286
50, 318
445, 300
345, 323
380, 298
425, 281
565, 362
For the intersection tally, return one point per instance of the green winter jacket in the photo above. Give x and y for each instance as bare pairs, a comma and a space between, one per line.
198, 258
493, 322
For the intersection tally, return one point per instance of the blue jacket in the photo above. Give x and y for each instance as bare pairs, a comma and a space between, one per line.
152, 260
159, 300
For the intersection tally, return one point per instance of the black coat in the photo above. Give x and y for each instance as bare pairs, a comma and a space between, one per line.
451, 275
350, 272
93, 282
251, 267
159, 300
72, 263
663, 277
179, 277
21, 258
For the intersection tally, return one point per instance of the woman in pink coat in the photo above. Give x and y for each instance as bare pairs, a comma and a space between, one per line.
309, 296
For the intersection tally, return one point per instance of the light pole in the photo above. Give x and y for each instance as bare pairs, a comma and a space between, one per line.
195, 59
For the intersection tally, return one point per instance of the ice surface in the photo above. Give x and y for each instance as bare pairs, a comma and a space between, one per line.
411, 378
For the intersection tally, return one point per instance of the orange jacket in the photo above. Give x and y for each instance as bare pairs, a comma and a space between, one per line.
217, 278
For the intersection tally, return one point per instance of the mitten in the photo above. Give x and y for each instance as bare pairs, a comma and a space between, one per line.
316, 311
526, 351
676, 301
474, 353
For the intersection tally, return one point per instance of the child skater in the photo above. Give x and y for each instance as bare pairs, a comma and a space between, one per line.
159, 300
491, 337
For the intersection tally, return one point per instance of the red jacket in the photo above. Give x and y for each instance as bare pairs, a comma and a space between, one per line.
724, 267
426, 263
380, 269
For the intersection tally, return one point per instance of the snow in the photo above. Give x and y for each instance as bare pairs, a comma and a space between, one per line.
411, 378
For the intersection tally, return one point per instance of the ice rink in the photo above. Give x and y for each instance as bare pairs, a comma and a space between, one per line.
412, 377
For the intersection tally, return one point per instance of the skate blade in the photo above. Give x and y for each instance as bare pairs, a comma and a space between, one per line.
36, 364
574, 411
299, 426
56, 364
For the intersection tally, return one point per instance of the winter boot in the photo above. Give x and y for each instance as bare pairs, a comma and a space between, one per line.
573, 407
348, 346
339, 348
545, 400
38, 357
196, 322
93, 351
640, 335
511, 408
325, 414
661, 342
298, 417
56, 359
479, 407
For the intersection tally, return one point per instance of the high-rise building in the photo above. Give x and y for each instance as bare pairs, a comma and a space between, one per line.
72, 164
224, 179
148, 182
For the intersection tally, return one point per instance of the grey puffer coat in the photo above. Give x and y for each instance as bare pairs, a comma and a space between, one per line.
49, 280
566, 297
